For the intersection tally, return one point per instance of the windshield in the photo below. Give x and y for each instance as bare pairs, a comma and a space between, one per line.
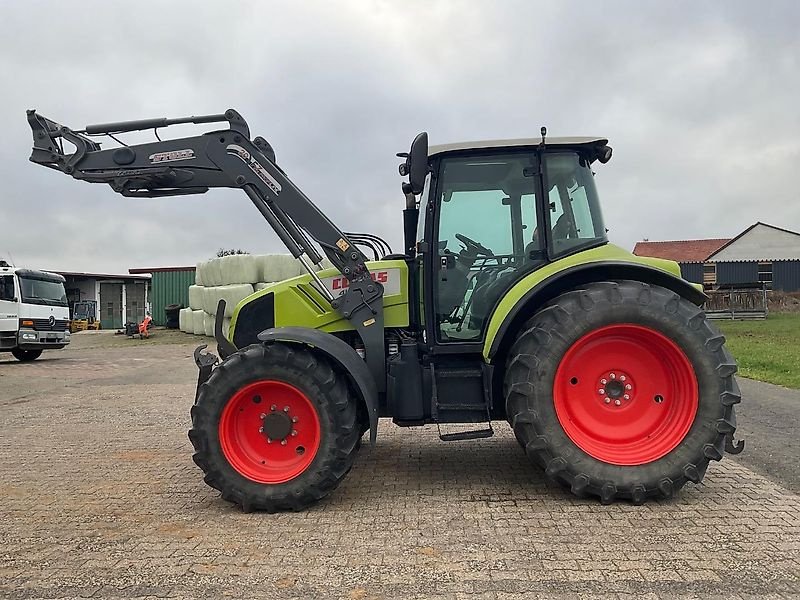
37, 291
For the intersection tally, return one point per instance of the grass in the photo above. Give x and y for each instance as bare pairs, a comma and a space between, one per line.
766, 350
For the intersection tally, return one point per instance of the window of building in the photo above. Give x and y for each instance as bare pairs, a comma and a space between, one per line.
710, 274
765, 274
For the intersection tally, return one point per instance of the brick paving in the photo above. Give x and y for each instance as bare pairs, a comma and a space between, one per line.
99, 498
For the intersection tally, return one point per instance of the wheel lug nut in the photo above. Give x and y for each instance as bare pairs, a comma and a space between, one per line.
269, 440
294, 419
627, 386
273, 407
617, 402
604, 381
627, 397
607, 400
601, 391
263, 415
285, 409
283, 442
622, 377
613, 375
294, 433
260, 430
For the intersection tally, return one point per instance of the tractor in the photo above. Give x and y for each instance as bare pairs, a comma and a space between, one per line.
507, 303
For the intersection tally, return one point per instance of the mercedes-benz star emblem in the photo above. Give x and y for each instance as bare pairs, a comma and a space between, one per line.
51, 321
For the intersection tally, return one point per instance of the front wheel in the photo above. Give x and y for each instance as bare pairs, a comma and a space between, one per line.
26, 355
275, 428
621, 390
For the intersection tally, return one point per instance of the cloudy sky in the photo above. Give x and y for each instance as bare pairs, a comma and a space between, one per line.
701, 102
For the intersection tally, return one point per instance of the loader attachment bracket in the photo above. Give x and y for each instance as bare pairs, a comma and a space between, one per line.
205, 362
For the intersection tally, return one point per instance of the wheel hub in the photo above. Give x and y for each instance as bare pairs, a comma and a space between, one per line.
615, 388
276, 425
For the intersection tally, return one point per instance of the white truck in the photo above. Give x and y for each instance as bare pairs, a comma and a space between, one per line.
34, 314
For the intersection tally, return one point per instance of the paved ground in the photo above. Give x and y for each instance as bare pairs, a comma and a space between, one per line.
100, 498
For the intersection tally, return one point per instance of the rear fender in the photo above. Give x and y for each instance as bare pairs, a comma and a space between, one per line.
343, 355
572, 278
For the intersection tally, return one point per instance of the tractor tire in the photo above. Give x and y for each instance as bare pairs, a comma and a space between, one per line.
26, 355
275, 428
621, 390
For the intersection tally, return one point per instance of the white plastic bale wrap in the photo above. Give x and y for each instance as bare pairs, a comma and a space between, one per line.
196, 297
277, 267
232, 294
208, 324
198, 274
261, 285
198, 322
239, 268
185, 322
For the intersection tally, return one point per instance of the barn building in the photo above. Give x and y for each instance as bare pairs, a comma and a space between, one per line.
762, 254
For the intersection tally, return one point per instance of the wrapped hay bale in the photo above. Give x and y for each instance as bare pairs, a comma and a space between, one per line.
226, 327
198, 323
277, 267
212, 273
208, 324
232, 294
198, 274
196, 297
260, 286
239, 268
185, 322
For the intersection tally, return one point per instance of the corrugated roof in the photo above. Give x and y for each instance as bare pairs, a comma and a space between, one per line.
161, 269
100, 275
681, 250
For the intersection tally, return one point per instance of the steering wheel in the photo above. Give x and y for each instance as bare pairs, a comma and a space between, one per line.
475, 246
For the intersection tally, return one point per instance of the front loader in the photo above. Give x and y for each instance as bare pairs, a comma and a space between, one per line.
506, 303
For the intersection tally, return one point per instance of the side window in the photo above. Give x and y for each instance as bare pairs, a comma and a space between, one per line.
575, 217
6, 287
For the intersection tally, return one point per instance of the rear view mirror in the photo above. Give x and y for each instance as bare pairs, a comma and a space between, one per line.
418, 163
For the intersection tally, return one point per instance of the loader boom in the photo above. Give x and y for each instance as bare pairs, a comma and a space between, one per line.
223, 159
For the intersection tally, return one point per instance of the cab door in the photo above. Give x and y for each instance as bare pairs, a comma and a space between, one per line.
485, 237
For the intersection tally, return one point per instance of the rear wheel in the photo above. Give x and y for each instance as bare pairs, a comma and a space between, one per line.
275, 428
26, 355
621, 390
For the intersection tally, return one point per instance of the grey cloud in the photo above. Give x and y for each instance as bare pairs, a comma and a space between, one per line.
699, 101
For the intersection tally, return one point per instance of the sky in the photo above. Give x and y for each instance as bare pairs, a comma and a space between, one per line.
700, 101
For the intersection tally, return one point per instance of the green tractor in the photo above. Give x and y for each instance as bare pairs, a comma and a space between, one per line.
507, 303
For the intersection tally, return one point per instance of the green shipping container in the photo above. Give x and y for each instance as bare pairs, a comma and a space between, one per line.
168, 286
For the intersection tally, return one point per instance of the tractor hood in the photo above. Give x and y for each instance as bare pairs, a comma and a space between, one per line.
296, 302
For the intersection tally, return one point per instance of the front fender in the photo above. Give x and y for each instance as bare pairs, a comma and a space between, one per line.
340, 353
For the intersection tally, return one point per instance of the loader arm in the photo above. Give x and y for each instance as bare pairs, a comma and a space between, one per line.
223, 159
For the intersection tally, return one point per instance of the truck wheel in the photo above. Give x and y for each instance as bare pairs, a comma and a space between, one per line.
275, 428
621, 390
26, 355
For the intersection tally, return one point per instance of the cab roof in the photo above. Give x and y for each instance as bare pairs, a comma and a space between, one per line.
515, 143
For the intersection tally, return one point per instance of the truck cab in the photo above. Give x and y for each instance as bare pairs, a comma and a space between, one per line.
34, 313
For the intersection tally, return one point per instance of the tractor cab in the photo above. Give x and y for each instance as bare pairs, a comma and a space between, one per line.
491, 212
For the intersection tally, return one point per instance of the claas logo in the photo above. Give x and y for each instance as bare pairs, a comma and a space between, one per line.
341, 283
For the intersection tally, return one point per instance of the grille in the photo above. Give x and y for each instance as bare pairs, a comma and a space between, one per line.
44, 325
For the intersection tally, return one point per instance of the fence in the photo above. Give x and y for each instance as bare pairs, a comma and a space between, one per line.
737, 303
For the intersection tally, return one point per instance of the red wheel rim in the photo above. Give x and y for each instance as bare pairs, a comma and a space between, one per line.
255, 414
625, 394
